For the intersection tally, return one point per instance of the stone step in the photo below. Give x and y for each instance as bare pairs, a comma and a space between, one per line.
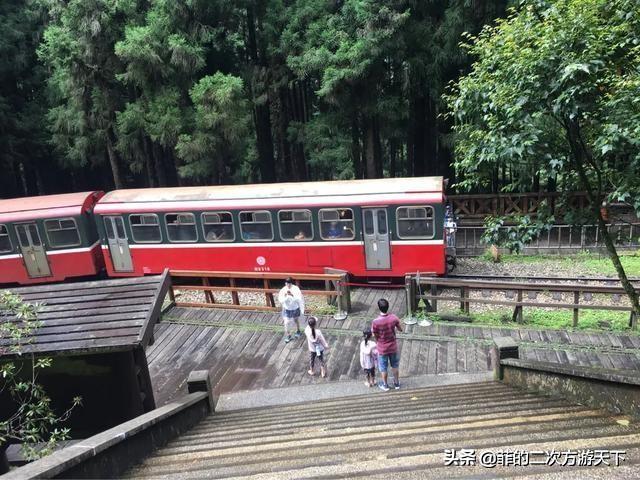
372, 402
423, 417
334, 464
368, 395
414, 441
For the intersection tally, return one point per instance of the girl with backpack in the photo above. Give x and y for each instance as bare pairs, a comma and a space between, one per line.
317, 345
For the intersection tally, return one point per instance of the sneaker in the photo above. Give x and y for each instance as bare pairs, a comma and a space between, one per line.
396, 385
383, 386
297, 335
287, 339
367, 384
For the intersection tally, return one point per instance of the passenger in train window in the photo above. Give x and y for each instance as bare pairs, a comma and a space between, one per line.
334, 230
300, 236
216, 234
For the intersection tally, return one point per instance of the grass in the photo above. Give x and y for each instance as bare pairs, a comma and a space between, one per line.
592, 263
554, 320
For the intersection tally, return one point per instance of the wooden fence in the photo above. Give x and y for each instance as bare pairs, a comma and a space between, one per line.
416, 286
336, 289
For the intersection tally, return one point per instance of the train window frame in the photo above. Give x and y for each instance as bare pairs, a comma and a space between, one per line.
60, 228
178, 214
6, 234
218, 240
241, 223
337, 239
416, 237
133, 232
310, 222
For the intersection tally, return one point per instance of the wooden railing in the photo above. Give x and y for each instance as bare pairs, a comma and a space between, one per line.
336, 288
417, 286
479, 206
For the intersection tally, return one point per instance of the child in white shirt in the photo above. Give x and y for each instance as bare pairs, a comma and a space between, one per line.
368, 357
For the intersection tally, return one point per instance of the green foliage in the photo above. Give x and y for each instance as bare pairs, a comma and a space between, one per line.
515, 232
555, 86
221, 120
34, 421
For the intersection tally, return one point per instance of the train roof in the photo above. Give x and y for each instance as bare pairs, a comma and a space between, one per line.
46, 206
341, 192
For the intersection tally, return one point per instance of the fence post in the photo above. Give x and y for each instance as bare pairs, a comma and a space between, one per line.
172, 294
234, 294
464, 295
208, 294
517, 311
410, 292
434, 301
576, 310
268, 295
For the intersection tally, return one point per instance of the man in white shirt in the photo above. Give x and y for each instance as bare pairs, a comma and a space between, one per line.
292, 301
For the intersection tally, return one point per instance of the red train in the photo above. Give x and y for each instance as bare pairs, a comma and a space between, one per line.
371, 228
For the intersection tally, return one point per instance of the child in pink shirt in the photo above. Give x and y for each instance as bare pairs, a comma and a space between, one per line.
317, 345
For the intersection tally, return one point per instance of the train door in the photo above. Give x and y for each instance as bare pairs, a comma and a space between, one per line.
118, 244
376, 238
32, 249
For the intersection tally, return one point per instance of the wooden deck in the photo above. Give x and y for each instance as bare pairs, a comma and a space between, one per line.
245, 350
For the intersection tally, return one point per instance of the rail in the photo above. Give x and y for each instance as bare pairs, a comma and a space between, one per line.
336, 289
414, 287
559, 239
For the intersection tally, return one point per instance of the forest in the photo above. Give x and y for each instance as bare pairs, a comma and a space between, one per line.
103, 94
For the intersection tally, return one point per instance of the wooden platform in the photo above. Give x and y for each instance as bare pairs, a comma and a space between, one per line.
245, 350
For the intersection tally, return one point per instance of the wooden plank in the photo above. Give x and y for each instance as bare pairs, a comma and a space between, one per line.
47, 296
266, 290
256, 275
530, 304
73, 286
103, 297
96, 345
47, 330
60, 338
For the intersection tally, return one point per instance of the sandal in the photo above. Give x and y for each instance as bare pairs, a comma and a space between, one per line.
310, 372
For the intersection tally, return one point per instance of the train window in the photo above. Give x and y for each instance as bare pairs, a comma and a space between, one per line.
368, 222
256, 226
62, 232
145, 228
218, 227
415, 222
181, 227
295, 225
5, 241
337, 224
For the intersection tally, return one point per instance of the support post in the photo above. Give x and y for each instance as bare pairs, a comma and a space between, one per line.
576, 310
464, 295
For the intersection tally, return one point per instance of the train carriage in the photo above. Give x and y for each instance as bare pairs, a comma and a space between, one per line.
49, 238
371, 228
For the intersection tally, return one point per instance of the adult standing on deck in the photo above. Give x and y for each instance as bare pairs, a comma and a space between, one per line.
384, 329
292, 301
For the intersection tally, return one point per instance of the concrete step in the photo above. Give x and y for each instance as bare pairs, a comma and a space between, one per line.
414, 441
399, 434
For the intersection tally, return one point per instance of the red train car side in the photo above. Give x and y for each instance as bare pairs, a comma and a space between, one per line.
371, 228
49, 238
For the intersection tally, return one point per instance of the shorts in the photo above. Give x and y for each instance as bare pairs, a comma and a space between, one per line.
370, 371
291, 313
384, 361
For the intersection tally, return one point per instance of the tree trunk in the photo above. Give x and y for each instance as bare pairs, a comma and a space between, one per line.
369, 148
577, 149
156, 154
284, 150
416, 147
114, 162
356, 154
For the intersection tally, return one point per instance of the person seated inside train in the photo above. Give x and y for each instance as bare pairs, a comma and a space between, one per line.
216, 234
334, 230
300, 236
